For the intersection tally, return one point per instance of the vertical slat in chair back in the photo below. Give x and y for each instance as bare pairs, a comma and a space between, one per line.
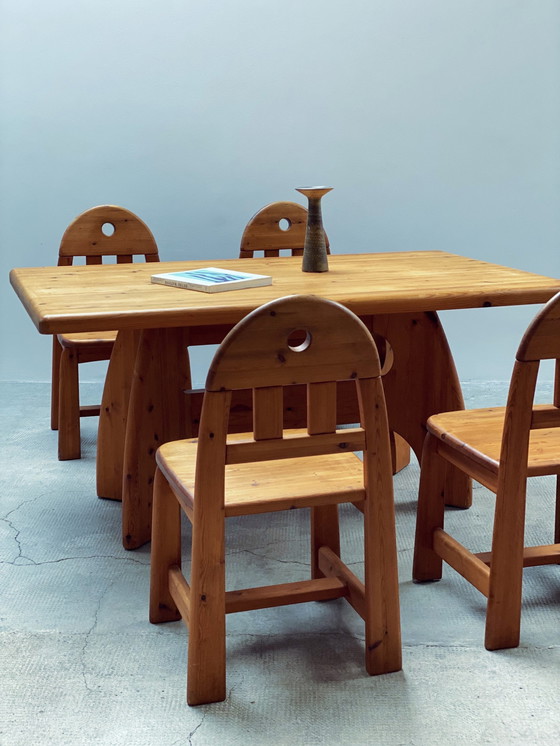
321, 407
293, 340
126, 236
268, 412
276, 227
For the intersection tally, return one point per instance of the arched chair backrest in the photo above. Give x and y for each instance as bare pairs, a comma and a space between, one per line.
541, 341
267, 232
292, 340
126, 235
332, 345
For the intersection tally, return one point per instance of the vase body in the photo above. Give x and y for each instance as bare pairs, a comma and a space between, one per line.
315, 258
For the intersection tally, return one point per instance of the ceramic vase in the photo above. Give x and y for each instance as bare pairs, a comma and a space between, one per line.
315, 248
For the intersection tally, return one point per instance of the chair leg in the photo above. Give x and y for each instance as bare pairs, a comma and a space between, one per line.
324, 533
383, 653
68, 407
557, 513
503, 614
166, 550
427, 565
55, 376
206, 669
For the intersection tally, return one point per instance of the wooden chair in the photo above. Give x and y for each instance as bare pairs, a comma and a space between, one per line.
277, 227
500, 448
99, 232
271, 469
281, 226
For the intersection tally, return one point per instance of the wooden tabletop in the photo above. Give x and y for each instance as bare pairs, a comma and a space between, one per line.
96, 298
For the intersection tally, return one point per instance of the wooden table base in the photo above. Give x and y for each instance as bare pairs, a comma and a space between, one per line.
147, 400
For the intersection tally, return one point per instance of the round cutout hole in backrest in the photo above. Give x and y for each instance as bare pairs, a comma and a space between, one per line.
108, 229
299, 340
284, 224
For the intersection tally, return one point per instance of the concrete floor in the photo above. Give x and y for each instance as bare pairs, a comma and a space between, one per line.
80, 663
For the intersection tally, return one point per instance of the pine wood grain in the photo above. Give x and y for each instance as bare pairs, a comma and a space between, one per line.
114, 415
284, 594
277, 227
479, 435
197, 474
85, 237
283, 485
73, 299
402, 290
502, 447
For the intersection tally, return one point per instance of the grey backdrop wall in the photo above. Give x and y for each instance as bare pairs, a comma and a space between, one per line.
436, 121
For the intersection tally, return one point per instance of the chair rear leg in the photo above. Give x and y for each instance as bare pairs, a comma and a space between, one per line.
324, 533
206, 668
165, 551
427, 565
557, 513
69, 407
55, 377
383, 652
503, 614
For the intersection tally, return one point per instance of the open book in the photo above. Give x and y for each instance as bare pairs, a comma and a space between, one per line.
212, 279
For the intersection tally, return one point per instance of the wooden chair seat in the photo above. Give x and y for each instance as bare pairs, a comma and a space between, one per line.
104, 231
271, 485
85, 340
270, 469
501, 448
478, 434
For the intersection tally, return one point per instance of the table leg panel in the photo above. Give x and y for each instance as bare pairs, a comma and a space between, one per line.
114, 413
158, 412
422, 381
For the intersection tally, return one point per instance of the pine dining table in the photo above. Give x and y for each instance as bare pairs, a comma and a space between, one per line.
148, 398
